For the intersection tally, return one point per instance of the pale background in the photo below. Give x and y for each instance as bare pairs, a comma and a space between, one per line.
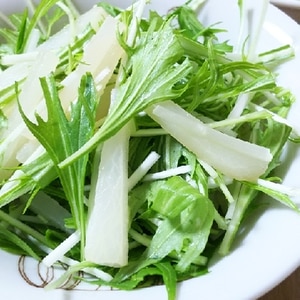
290, 288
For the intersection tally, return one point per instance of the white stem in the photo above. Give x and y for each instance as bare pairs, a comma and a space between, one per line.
240, 105
295, 127
142, 170
92, 271
58, 253
70, 15
290, 191
218, 180
168, 173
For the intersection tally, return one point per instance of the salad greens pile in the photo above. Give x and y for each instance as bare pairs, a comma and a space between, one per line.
132, 147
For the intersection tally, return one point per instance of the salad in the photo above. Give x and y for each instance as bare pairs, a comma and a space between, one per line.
133, 147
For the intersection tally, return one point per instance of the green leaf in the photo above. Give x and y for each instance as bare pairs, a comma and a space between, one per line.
62, 137
15, 226
169, 278
152, 74
147, 276
110, 9
13, 243
247, 192
43, 8
189, 217
184, 221
22, 32
189, 23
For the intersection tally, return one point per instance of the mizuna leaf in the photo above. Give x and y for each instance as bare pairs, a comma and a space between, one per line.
153, 70
61, 137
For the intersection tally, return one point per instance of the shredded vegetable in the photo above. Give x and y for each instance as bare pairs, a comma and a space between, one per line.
133, 147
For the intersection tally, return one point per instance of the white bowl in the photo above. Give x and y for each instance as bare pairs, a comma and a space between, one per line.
264, 255
287, 3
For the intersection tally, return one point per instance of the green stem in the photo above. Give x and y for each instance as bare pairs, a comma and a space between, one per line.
24, 228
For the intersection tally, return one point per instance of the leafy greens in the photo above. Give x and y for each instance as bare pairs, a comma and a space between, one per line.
140, 124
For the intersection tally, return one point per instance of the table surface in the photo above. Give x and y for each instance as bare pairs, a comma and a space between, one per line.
290, 287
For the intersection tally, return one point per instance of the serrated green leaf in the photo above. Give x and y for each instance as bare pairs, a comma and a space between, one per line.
62, 137
148, 81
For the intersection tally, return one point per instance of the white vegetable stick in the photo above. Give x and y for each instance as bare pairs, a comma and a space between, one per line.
14, 73
107, 228
142, 170
295, 126
168, 173
281, 188
15, 59
96, 59
62, 39
26, 150
71, 21
231, 156
15, 135
57, 42
32, 93
240, 105
218, 180
33, 40
252, 20
61, 249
